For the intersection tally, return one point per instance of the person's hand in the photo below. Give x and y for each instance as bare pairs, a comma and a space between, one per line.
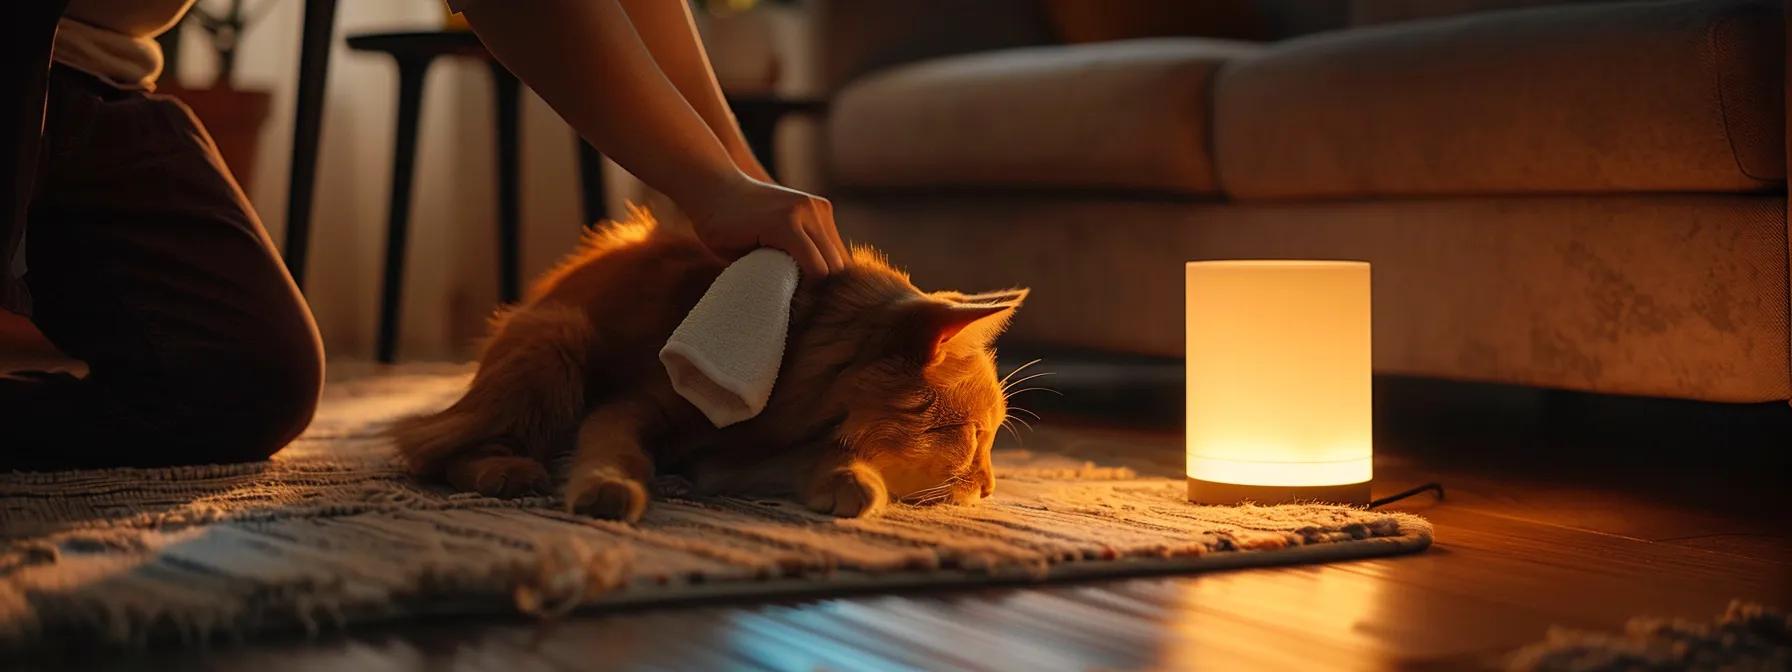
746, 214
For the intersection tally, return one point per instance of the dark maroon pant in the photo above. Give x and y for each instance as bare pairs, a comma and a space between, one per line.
147, 263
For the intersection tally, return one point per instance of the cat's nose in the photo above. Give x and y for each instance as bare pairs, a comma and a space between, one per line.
989, 488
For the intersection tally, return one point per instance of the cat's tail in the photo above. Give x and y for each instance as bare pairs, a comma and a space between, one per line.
526, 399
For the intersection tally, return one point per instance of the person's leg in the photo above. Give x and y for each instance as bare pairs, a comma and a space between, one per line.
147, 263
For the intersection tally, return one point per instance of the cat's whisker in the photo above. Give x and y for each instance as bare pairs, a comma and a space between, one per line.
945, 492
1017, 408
934, 494
928, 491
1023, 423
1011, 395
933, 500
1004, 381
1036, 375
1009, 423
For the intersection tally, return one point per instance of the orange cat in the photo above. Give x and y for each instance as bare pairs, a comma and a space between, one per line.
885, 393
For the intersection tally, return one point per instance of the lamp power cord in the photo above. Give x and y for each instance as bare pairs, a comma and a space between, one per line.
1390, 499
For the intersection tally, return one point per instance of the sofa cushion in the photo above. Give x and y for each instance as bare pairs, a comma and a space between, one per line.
1674, 295
1374, 12
1113, 115
1686, 95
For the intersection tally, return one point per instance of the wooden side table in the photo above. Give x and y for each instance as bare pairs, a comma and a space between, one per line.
414, 52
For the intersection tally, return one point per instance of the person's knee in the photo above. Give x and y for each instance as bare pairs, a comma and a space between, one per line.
294, 391
265, 398
289, 399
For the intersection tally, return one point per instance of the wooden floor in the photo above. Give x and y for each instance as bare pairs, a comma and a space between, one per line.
1549, 521
1514, 556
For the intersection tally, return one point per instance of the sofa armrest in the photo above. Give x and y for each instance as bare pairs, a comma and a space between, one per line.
860, 36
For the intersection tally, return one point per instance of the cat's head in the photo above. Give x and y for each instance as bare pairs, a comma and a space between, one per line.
908, 377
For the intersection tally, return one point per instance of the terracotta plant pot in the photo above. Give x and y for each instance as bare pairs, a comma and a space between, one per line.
234, 118
452, 21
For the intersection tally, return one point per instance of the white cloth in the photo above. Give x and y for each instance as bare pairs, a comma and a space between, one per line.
724, 357
123, 61
115, 40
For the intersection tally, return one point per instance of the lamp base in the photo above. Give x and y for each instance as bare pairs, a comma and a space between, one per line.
1232, 494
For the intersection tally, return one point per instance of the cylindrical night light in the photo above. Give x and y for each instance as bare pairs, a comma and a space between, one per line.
1279, 381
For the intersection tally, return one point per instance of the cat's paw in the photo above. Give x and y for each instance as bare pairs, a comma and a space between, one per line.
606, 493
852, 492
501, 476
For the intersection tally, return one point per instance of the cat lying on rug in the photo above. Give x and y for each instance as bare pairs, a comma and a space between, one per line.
885, 392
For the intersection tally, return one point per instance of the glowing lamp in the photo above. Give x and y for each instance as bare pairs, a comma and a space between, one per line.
1278, 380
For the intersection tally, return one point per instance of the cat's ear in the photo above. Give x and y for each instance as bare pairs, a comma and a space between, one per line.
938, 323
1014, 296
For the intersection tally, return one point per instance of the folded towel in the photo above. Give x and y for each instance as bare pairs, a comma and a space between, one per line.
725, 356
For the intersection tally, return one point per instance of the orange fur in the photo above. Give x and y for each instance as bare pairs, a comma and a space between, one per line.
886, 393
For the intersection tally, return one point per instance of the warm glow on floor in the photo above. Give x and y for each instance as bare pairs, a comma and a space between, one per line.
1331, 607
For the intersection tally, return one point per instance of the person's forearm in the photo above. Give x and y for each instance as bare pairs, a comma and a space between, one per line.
586, 60
667, 28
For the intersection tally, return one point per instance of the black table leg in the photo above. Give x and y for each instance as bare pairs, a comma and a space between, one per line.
507, 91
411, 73
314, 68
761, 130
591, 180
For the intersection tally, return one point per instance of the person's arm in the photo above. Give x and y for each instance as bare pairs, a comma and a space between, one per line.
670, 33
585, 59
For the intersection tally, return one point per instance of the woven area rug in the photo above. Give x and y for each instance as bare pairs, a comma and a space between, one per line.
330, 533
1747, 637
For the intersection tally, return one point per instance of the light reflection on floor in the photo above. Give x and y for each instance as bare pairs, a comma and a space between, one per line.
1330, 605
1197, 626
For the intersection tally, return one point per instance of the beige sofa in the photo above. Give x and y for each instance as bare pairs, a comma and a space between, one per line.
1582, 196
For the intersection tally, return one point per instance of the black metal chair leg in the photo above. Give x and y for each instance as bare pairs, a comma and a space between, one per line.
591, 183
507, 91
314, 68
761, 132
411, 73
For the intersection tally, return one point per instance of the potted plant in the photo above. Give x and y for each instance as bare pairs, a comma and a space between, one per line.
233, 116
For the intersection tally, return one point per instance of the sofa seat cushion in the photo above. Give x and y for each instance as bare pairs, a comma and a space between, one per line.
1376, 12
1126, 115
1677, 96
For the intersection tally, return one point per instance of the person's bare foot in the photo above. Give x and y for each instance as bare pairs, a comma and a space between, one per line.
24, 348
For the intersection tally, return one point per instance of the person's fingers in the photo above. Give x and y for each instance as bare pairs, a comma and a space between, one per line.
794, 241
833, 233
817, 228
